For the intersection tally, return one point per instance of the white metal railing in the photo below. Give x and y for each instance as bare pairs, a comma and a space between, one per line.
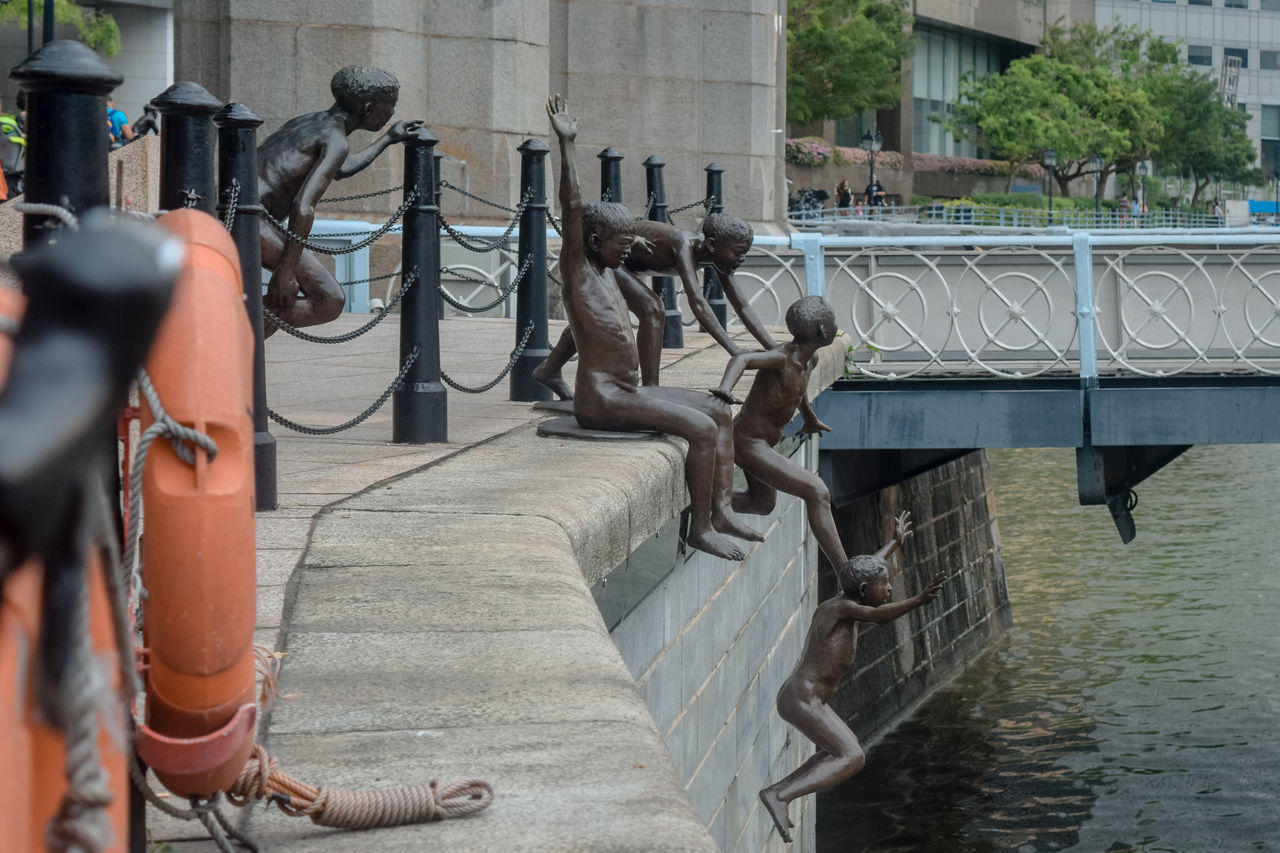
1153, 303
990, 216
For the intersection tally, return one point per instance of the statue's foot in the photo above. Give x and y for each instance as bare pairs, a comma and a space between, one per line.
554, 381
716, 545
729, 523
778, 811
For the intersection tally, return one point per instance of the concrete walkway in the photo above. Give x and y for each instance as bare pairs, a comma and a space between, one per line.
433, 604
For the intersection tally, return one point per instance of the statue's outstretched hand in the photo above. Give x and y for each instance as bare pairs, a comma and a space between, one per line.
930, 591
399, 131
813, 425
565, 125
902, 528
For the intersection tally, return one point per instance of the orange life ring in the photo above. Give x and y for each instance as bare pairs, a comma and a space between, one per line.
198, 551
32, 754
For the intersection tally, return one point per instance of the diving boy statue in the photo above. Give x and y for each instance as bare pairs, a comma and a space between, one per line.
296, 164
828, 653
781, 386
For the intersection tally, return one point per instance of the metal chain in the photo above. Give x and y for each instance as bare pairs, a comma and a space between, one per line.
705, 203
648, 208
233, 204
511, 362
461, 191
555, 223
358, 419
369, 280
362, 195
483, 246
354, 247
288, 329
503, 292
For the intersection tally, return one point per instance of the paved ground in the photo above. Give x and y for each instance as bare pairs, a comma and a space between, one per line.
387, 599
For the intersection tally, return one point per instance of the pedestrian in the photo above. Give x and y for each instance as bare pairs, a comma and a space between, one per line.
13, 152
844, 197
118, 125
1123, 206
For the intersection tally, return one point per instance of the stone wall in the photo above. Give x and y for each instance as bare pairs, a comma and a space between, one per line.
709, 648
692, 81
712, 642
956, 533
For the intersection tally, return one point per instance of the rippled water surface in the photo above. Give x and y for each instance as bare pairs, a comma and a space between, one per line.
1136, 702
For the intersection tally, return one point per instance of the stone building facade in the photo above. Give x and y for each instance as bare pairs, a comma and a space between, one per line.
691, 81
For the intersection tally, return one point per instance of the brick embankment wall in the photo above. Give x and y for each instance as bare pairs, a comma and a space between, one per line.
956, 533
709, 647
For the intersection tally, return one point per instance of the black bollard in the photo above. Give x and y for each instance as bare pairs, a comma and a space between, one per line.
663, 285
238, 180
610, 175
186, 147
419, 407
711, 288
438, 158
67, 84
531, 297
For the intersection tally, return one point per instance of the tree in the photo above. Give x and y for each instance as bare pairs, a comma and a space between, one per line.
1084, 95
845, 56
96, 29
1203, 138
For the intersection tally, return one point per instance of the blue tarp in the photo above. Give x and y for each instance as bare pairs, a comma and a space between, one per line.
1256, 206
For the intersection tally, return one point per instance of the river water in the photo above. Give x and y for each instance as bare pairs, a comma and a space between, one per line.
1135, 704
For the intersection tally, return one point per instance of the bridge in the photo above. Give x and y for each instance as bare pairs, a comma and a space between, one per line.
1130, 346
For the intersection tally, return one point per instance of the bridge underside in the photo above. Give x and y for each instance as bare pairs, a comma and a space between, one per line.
1124, 429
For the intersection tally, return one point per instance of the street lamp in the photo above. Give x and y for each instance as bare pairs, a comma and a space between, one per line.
1142, 188
871, 143
1096, 164
1050, 159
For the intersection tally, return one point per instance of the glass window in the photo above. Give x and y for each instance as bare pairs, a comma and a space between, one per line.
1270, 157
1269, 60
1199, 54
1236, 4
1271, 5
1270, 122
1241, 52
1203, 2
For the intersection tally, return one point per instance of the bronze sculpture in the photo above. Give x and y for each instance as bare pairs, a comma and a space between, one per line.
663, 249
828, 653
780, 387
597, 239
296, 165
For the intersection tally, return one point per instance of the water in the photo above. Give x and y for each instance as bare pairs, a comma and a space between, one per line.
1134, 705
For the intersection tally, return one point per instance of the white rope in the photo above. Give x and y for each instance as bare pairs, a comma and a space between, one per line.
57, 211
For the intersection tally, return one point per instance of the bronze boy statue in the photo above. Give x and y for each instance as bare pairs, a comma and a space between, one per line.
663, 249
597, 238
781, 386
828, 653
296, 165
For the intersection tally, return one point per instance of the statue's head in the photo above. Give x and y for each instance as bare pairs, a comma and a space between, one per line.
866, 578
811, 319
608, 228
367, 92
726, 239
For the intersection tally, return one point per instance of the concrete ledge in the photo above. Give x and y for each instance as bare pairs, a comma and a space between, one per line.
441, 625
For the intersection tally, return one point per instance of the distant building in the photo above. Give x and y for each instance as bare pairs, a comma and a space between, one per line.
1211, 32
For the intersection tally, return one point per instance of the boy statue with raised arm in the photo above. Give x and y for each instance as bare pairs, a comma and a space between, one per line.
828, 653
296, 164
661, 248
597, 238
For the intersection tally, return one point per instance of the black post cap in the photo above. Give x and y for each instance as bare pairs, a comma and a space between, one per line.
610, 154
186, 98
236, 114
66, 66
533, 146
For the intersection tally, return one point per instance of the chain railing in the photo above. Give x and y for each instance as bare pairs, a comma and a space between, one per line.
511, 362
344, 250
358, 419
